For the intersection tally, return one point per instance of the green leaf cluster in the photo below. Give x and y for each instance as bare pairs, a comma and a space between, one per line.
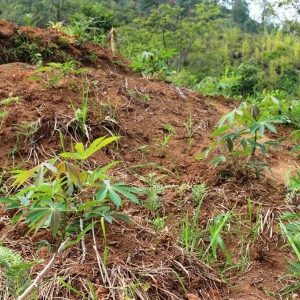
59, 71
239, 133
62, 192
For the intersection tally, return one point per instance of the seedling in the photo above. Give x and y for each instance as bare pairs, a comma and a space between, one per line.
190, 233
158, 223
57, 26
153, 190
214, 229
243, 130
154, 63
10, 99
56, 193
5, 102
79, 122
143, 150
164, 142
59, 71
27, 133
189, 127
29, 19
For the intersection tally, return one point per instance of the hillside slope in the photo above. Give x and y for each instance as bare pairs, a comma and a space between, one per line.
42, 107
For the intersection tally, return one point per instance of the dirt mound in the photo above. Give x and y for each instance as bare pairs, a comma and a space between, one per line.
40, 112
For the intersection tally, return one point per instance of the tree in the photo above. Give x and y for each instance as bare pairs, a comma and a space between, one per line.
240, 11
40, 11
103, 19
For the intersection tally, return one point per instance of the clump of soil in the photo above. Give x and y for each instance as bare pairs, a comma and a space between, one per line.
139, 110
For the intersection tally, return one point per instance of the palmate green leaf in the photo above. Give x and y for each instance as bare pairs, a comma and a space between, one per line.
255, 145
112, 191
127, 191
231, 135
37, 214
74, 173
244, 143
129, 195
13, 205
263, 149
271, 127
100, 143
6, 200
38, 219
235, 115
55, 222
202, 154
102, 211
220, 130
25, 201
88, 204
39, 178
254, 126
25, 175
101, 194
102, 207
260, 126
96, 145
80, 149
100, 174
277, 102
115, 198
216, 160
40, 223
50, 167
108, 218
44, 188
227, 117
229, 144
261, 129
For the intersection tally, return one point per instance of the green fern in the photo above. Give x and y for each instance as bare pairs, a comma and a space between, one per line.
8, 257
15, 272
10, 99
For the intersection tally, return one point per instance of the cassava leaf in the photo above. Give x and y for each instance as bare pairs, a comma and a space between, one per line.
55, 222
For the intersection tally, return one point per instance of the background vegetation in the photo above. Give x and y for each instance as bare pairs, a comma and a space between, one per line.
213, 47
196, 41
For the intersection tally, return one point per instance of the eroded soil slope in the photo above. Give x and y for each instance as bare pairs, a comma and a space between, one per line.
141, 110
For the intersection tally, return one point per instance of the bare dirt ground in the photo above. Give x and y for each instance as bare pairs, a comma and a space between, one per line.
126, 104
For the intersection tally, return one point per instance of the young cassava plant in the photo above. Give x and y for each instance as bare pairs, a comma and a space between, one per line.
239, 133
62, 193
